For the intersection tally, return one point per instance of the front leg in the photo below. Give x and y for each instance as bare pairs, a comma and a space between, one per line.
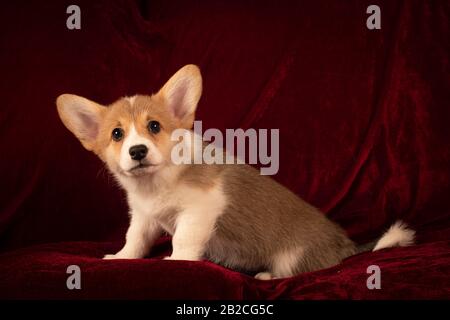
193, 230
141, 235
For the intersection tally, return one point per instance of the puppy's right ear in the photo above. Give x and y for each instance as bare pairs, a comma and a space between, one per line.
81, 116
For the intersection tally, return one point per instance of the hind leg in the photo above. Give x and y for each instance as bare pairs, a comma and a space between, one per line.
284, 264
264, 276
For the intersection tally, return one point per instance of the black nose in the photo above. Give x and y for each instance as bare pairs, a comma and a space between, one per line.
138, 152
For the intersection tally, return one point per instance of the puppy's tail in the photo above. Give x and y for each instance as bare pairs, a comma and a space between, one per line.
398, 235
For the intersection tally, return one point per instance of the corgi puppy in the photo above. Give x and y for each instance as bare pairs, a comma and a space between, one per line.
227, 213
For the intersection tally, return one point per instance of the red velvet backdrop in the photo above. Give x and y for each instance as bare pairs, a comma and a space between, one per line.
363, 115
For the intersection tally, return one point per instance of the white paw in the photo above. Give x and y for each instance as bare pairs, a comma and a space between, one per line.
185, 258
111, 257
264, 276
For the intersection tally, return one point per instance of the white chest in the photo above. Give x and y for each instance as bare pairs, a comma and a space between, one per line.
146, 204
161, 207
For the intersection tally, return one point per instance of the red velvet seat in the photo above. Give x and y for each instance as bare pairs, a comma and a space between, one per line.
39, 272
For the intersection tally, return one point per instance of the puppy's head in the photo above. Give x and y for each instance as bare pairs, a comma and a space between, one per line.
133, 135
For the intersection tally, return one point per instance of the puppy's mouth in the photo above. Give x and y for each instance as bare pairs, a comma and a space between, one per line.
141, 169
139, 166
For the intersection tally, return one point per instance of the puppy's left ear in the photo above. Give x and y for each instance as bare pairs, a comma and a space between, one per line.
182, 93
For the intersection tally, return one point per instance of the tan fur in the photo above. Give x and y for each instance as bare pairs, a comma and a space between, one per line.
272, 219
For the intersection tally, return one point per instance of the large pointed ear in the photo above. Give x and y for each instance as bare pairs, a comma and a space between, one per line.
81, 116
182, 93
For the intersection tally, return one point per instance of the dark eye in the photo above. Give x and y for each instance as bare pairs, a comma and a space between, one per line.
117, 134
153, 126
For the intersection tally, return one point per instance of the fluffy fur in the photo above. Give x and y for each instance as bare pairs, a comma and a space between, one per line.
398, 235
227, 213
